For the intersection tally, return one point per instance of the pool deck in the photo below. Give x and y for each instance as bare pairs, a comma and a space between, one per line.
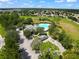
44, 25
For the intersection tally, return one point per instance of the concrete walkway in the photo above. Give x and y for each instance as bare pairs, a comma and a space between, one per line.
2, 43
27, 45
56, 43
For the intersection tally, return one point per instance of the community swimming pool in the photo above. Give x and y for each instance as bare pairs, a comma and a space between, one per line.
45, 26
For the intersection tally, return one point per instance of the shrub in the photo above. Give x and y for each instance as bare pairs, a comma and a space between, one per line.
39, 30
36, 43
28, 21
27, 33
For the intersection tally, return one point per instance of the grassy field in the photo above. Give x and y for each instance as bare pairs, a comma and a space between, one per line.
71, 28
36, 18
2, 31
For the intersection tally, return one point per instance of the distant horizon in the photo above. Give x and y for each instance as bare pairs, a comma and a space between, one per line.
38, 8
63, 4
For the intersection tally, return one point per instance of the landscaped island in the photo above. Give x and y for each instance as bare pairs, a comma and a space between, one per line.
28, 34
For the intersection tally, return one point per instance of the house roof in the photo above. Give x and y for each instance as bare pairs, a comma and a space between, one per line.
43, 37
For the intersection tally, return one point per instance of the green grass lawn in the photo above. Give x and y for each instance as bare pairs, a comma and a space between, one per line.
2, 31
71, 28
33, 17
45, 46
36, 18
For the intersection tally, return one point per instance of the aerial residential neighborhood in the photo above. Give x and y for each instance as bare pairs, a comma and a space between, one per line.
39, 29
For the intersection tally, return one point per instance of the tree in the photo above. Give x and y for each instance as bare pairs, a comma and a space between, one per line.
60, 57
27, 33
59, 34
70, 55
36, 43
28, 21
14, 18
54, 31
10, 50
52, 27
39, 30
43, 19
66, 41
76, 47
62, 35
9, 20
73, 18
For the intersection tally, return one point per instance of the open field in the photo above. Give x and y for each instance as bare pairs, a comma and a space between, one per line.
36, 18
71, 28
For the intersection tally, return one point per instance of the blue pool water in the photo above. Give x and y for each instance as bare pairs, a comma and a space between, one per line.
45, 26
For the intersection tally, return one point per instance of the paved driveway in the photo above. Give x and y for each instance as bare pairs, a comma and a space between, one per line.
27, 46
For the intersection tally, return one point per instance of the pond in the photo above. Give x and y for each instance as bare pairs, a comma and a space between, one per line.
44, 25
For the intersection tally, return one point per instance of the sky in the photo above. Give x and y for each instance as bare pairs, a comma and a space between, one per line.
71, 4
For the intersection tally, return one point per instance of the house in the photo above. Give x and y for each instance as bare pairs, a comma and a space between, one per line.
29, 27
43, 37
